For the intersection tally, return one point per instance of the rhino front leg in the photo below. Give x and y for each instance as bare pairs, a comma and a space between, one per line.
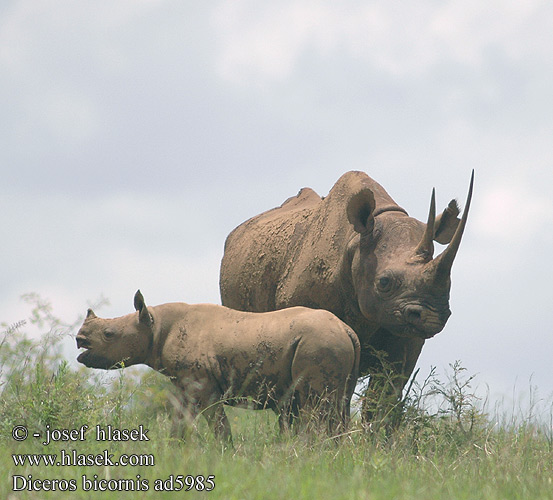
381, 402
218, 422
185, 412
390, 364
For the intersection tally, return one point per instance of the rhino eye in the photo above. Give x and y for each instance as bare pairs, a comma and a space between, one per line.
385, 283
109, 334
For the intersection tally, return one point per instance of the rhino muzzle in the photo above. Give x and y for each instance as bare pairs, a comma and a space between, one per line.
413, 315
421, 321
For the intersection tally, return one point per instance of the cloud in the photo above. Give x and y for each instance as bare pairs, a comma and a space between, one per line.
137, 134
60, 62
512, 212
268, 41
73, 250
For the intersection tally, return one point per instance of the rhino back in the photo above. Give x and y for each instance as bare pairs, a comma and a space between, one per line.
247, 352
297, 254
259, 251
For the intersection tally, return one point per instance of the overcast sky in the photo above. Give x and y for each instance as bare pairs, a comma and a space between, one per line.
136, 134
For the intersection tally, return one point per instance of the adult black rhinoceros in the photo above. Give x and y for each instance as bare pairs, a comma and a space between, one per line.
359, 255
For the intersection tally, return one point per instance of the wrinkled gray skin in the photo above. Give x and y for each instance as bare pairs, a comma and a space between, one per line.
290, 360
359, 255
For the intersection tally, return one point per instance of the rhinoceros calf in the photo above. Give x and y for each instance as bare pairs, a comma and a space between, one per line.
289, 360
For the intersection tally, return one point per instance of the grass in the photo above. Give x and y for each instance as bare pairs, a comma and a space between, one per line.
446, 446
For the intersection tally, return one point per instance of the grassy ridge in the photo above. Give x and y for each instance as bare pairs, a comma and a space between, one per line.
454, 450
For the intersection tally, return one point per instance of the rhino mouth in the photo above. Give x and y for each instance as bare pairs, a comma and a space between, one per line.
412, 331
83, 357
91, 359
418, 322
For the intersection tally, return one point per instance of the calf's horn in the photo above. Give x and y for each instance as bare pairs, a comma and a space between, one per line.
444, 261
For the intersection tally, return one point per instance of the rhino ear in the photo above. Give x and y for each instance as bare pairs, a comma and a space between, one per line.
90, 314
446, 223
140, 305
360, 211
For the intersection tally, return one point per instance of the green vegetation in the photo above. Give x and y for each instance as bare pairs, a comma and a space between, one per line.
446, 446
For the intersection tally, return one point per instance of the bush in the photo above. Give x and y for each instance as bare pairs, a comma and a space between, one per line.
445, 442
38, 387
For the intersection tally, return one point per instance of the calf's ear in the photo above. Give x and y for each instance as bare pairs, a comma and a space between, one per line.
140, 305
360, 210
446, 223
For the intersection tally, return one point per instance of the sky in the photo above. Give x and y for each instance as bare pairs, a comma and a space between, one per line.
136, 134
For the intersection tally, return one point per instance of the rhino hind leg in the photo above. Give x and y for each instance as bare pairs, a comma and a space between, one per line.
288, 411
324, 411
322, 375
309, 407
322, 402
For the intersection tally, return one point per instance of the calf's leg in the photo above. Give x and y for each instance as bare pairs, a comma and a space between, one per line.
218, 422
184, 414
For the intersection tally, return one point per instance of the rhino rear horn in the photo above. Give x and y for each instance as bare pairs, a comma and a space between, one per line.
425, 248
444, 261
90, 314
140, 305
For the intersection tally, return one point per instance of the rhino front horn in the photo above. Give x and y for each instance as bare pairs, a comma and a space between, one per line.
444, 261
